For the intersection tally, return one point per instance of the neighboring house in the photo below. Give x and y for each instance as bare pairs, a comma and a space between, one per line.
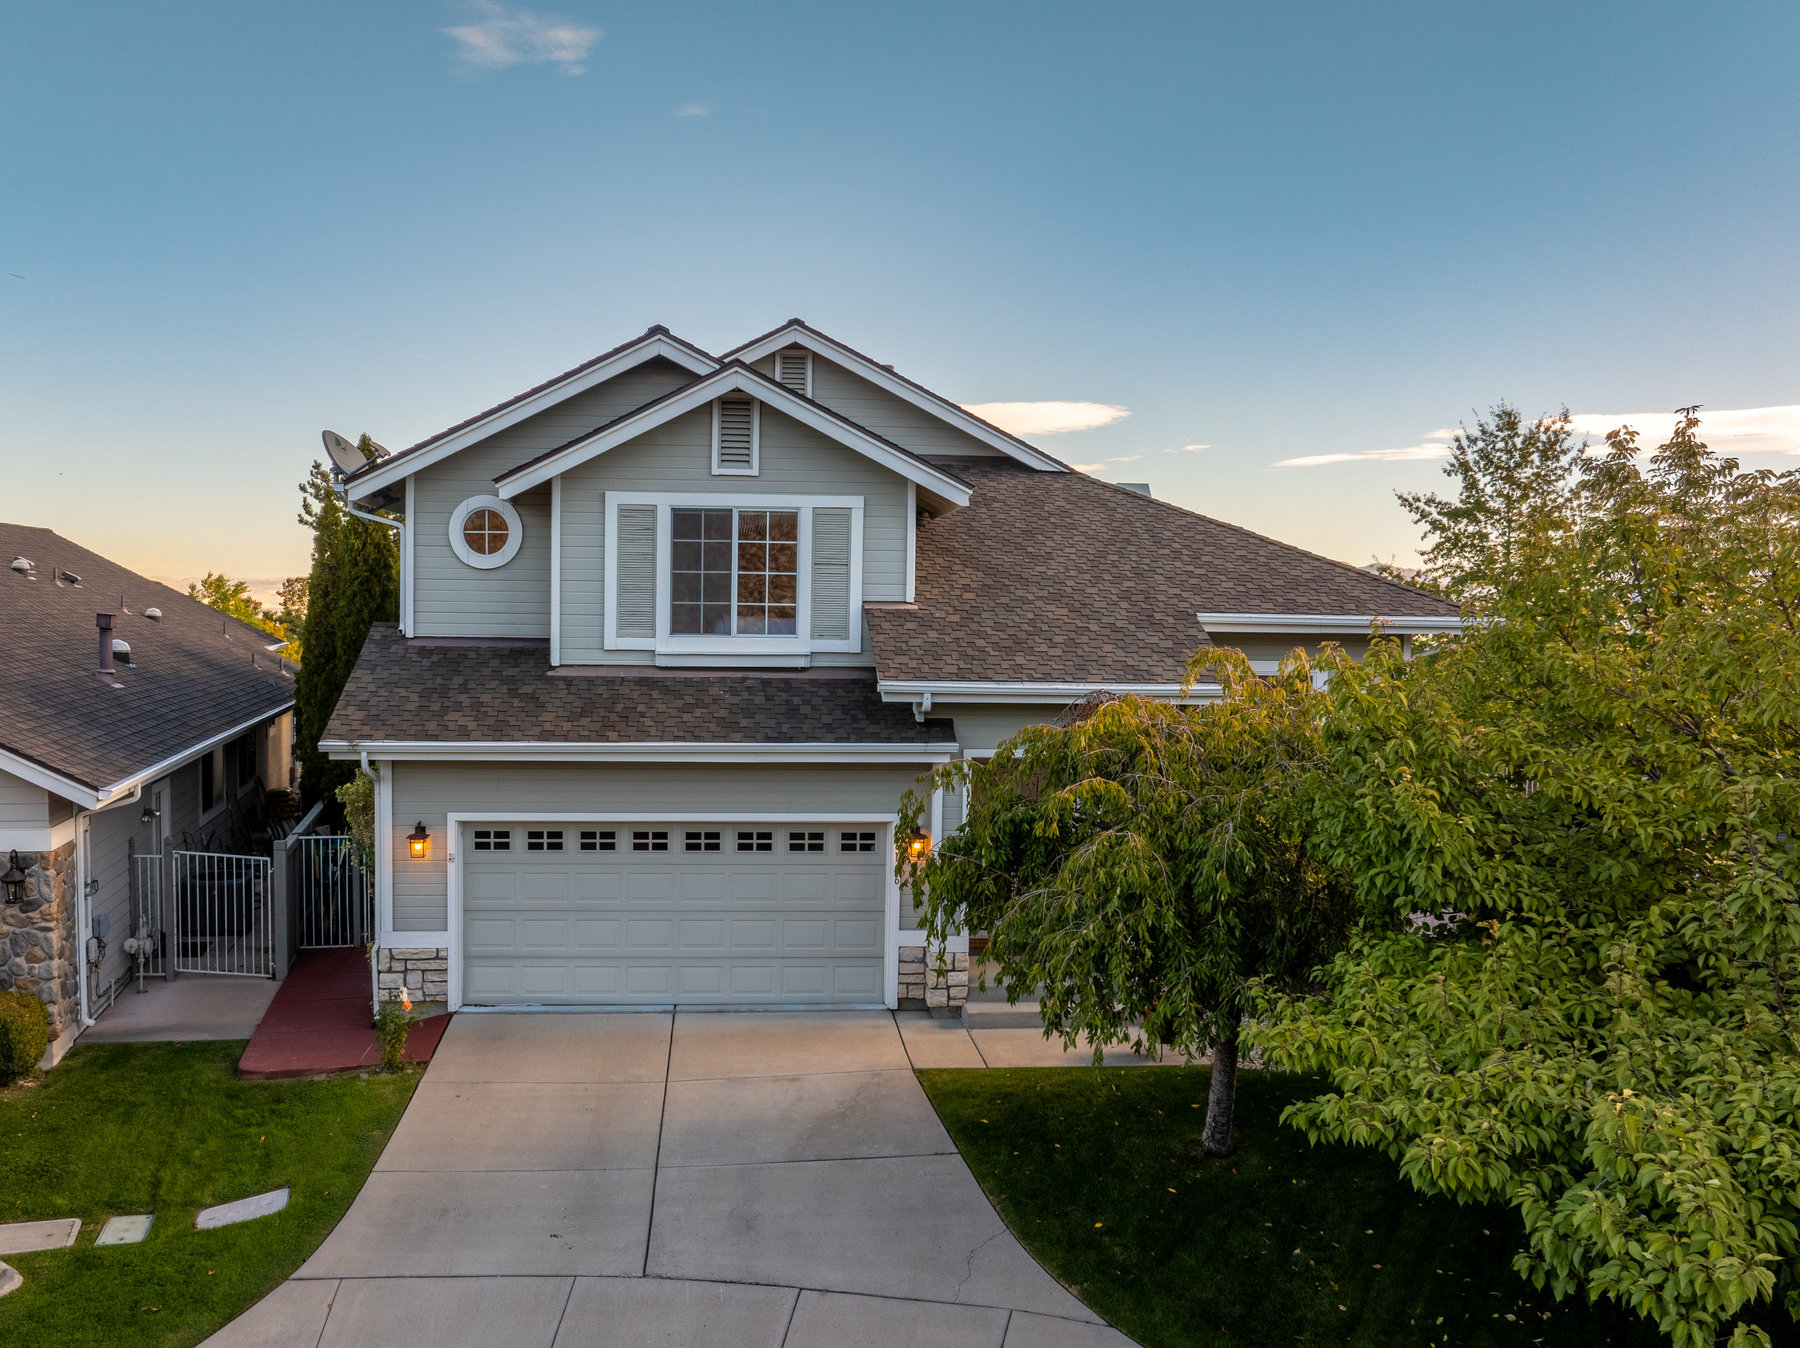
162, 751
677, 630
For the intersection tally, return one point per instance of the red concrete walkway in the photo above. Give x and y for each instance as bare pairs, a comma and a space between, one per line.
319, 1021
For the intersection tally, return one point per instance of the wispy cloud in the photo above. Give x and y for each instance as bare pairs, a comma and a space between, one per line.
1047, 418
693, 110
1745, 430
508, 37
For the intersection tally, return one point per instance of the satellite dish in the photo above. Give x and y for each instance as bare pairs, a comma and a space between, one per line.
380, 451
344, 453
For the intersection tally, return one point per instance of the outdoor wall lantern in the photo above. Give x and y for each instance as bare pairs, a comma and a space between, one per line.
918, 845
14, 880
416, 840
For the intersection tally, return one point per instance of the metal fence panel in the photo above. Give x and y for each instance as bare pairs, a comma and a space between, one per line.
332, 892
222, 917
150, 922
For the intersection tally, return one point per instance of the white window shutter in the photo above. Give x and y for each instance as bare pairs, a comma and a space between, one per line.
794, 368
636, 589
735, 451
831, 615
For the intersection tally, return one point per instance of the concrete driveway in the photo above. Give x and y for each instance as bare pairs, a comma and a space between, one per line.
574, 1180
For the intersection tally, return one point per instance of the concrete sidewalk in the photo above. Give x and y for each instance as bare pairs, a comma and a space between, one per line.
774, 1180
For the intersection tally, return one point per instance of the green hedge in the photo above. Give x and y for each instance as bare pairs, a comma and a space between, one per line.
24, 1034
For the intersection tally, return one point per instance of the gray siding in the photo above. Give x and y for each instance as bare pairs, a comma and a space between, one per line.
431, 791
677, 456
982, 729
1274, 647
451, 599
23, 805
112, 837
883, 413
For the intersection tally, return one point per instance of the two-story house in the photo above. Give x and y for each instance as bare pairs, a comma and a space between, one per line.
677, 630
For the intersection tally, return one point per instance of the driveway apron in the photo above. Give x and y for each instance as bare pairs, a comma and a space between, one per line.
567, 1180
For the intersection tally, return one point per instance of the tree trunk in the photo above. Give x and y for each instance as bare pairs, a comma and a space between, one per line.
1221, 1100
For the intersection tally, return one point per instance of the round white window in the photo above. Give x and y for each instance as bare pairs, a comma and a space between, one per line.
485, 532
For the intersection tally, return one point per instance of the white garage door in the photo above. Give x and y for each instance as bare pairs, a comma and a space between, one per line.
647, 914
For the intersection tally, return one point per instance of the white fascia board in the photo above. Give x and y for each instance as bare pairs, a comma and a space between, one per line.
1003, 693
731, 380
55, 782
941, 408
512, 751
90, 799
1322, 622
406, 463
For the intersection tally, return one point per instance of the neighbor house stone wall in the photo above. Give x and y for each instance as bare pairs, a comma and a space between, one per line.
40, 946
422, 974
939, 984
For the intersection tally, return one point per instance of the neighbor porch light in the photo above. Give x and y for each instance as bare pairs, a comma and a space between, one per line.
918, 845
14, 880
416, 840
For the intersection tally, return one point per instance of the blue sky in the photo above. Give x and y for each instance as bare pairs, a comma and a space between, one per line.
1278, 231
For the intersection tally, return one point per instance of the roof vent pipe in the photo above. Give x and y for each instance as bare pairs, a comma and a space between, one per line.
103, 621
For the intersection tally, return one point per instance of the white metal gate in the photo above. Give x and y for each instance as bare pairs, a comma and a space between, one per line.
333, 892
149, 916
222, 919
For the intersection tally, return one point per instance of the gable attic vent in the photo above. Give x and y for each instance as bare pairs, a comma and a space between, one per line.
794, 368
734, 442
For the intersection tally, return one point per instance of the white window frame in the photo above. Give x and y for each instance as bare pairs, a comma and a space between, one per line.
667, 643
718, 412
515, 532
775, 367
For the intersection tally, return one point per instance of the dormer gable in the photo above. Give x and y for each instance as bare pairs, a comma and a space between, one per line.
876, 396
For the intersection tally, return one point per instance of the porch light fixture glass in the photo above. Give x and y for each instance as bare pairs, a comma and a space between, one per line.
918, 845
416, 840
14, 880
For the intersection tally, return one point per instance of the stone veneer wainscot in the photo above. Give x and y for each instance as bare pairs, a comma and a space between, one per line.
940, 986
40, 949
423, 974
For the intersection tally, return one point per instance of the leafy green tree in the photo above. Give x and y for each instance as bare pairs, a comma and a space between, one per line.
1143, 862
1574, 830
354, 583
233, 597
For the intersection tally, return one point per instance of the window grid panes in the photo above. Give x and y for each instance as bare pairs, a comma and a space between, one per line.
485, 532
598, 840
752, 840
493, 840
734, 572
650, 840
800, 841
701, 840
543, 840
862, 841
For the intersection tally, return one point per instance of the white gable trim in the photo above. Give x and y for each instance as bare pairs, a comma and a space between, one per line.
733, 378
882, 377
408, 462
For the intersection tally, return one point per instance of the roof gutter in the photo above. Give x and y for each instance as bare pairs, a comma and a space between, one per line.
923, 693
1358, 623
549, 751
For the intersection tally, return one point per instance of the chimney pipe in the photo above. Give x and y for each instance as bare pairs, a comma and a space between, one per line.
103, 621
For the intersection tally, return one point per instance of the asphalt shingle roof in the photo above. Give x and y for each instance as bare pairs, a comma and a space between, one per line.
195, 674
1062, 577
438, 691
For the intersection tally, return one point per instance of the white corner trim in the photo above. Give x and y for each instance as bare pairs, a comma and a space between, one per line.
912, 541
515, 533
556, 491
407, 533
1322, 622
735, 378
408, 462
384, 845
904, 389
520, 751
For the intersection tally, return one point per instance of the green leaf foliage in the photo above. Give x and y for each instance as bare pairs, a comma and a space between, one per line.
354, 583
1144, 861
1573, 828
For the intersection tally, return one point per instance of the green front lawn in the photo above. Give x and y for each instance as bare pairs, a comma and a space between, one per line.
170, 1129
1097, 1172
